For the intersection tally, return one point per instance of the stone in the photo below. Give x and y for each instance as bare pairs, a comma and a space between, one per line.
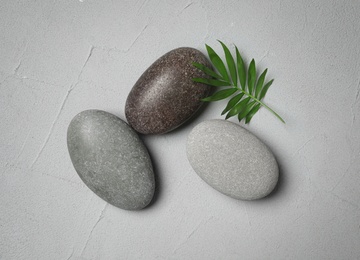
111, 159
232, 160
165, 96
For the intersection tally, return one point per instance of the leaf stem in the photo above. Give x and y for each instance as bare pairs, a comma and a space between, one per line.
261, 103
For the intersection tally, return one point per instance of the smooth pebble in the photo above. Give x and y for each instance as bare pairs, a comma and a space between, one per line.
111, 159
165, 96
232, 160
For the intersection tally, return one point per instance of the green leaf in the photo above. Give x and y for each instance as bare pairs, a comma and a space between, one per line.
265, 89
207, 70
260, 83
241, 69
232, 102
217, 62
248, 94
231, 64
212, 82
220, 94
245, 111
251, 76
238, 107
252, 113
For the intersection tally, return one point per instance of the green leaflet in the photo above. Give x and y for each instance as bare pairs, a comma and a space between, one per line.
232, 102
248, 94
260, 83
246, 110
241, 69
251, 76
231, 64
212, 82
265, 89
217, 62
208, 71
238, 107
220, 94
252, 113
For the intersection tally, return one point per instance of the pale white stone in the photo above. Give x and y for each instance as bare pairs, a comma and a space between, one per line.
232, 160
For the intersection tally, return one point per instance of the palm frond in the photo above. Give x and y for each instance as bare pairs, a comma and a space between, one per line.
245, 90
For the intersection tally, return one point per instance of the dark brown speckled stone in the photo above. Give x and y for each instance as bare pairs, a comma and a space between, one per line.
165, 96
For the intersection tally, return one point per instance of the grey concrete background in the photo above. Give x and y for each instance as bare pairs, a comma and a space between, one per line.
58, 58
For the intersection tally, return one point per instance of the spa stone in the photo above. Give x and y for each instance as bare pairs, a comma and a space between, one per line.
111, 159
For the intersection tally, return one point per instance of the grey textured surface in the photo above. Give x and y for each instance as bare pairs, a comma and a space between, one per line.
62, 57
111, 159
232, 160
165, 96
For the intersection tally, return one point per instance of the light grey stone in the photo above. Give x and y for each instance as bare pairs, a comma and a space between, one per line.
111, 159
232, 160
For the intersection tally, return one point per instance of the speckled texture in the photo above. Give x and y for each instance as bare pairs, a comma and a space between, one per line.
111, 159
232, 160
165, 96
